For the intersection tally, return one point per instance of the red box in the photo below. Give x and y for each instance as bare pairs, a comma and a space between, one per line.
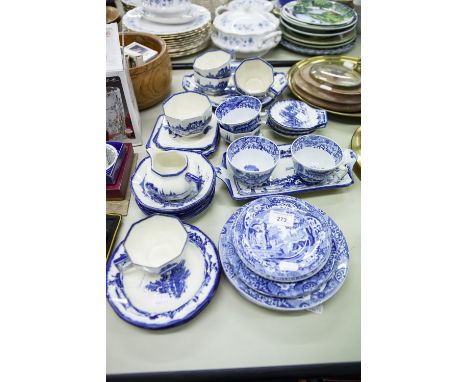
118, 190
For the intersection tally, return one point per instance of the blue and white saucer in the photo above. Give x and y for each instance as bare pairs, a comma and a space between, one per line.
280, 82
282, 238
319, 296
199, 166
205, 143
173, 298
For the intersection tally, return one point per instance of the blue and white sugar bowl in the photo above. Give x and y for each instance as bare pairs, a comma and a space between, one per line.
156, 243
187, 113
252, 159
239, 114
254, 76
167, 178
316, 158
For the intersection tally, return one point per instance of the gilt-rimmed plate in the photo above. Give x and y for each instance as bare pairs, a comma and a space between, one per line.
282, 238
173, 298
204, 143
325, 292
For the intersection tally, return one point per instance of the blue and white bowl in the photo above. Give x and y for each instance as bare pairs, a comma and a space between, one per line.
254, 76
187, 113
231, 137
239, 114
316, 157
211, 86
213, 64
252, 159
292, 116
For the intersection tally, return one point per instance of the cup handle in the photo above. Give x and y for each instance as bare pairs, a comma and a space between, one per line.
275, 36
220, 9
347, 163
263, 117
196, 179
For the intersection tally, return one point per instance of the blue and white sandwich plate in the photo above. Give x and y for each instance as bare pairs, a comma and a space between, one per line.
280, 83
327, 290
186, 208
283, 179
282, 238
162, 301
205, 143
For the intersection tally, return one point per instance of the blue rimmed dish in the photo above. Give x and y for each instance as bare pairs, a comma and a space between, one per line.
282, 238
308, 301
292, 116
251, 160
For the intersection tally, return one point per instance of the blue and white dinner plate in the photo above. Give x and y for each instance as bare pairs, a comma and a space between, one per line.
205, 143
273, 288
198, 165
280, 82
325, 292
173, 298
282, 238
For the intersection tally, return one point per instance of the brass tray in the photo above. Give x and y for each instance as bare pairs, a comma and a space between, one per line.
356, 147
293, 71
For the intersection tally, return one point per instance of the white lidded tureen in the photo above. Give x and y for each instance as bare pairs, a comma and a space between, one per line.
247, 34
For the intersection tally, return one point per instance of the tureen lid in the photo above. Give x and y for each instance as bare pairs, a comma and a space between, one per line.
243, 23
250, 5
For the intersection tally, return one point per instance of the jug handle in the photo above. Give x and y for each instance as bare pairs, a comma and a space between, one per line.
196, 179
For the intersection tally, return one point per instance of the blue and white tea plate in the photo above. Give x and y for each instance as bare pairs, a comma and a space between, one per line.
198, 165
287, 134
280, 82
283, 180
205, 143
296, 116
279, 289
317, 297
282, 238
162, 301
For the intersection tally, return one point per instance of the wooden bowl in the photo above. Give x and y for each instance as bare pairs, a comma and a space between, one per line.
151, 81
112, 15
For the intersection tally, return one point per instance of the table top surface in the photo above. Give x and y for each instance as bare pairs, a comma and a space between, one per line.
233, 332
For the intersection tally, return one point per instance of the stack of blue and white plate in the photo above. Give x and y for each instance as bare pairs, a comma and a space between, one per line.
284, 254
293, 118
192, 205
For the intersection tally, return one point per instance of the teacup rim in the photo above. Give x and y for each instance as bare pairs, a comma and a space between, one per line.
276, 159
314, 168
230, 99
184, 92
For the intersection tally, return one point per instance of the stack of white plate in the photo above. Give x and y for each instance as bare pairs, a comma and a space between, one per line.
318, 27
283, 253
182, 38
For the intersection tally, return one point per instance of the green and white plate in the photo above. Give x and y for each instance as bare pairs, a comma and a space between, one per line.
319, 13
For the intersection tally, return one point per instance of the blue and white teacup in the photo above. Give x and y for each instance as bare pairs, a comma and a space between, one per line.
187, 113
254, 77
213, 64
251, 160
316, 158
239, 114
212, 86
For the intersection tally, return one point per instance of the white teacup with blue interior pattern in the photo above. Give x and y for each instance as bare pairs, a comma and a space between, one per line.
167, 178
187, 113
171, 8
240, 114
251, 160
316, 157
156, 243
